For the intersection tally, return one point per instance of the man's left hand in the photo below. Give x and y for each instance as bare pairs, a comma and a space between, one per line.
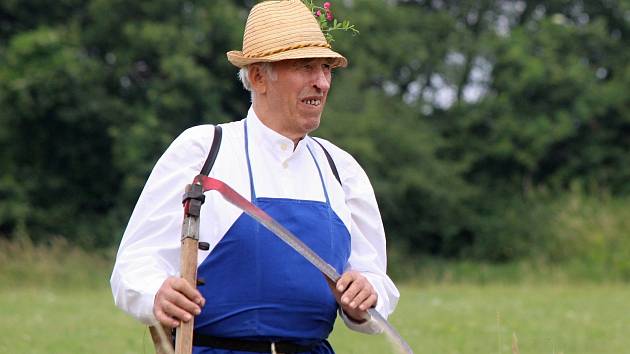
355, 294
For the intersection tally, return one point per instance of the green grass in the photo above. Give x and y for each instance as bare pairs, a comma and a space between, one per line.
485, 319
434, 319
55, 299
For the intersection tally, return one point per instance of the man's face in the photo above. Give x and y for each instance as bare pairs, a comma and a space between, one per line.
298, 94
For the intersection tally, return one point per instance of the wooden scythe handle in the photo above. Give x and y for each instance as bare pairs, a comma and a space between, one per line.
163, 342
162, 339
188, 270
188, 264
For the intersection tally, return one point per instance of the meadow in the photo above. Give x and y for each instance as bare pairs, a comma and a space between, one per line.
447, 318
56, 299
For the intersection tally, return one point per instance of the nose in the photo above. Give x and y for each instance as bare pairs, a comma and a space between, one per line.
322, 79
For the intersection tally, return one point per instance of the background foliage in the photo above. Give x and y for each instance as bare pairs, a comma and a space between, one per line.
494, 130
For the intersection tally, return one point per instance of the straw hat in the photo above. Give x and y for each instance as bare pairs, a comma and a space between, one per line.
279, 30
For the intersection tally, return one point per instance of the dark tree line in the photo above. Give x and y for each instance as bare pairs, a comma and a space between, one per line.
460, 111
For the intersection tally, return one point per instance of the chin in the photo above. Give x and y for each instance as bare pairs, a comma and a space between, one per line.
311, 124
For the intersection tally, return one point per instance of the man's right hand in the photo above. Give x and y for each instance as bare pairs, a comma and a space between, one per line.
176, 301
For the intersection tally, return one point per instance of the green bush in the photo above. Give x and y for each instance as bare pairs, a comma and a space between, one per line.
571, 235
55, 263
591, 235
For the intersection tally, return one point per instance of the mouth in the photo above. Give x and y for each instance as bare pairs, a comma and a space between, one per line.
315, 102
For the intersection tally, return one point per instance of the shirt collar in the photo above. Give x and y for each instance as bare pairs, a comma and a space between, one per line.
262, 135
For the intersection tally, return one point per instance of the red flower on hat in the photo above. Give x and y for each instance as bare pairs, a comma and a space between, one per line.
328, 23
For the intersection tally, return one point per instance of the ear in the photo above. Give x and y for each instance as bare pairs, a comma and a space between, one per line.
258, 79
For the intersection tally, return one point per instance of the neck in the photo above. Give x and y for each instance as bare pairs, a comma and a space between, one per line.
273, 122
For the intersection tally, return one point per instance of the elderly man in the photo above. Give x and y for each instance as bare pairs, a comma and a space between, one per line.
257, 290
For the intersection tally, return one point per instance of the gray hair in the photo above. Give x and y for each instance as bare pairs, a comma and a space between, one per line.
243, 74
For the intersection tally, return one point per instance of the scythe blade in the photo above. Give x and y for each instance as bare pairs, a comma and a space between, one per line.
229, 194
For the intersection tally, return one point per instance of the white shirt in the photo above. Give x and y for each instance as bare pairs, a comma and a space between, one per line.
149, 250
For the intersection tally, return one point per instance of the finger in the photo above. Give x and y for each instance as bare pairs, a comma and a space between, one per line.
369, 302
361, 296
176, 312
180, 292
165, 319
182, 302
355, 295
182, 286
351, 292
345, 280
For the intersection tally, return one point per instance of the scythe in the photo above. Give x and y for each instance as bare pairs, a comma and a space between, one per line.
193, 199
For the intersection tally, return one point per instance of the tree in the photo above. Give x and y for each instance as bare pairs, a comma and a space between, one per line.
88, 103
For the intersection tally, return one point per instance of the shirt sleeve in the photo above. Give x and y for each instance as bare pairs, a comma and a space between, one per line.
368, 246
149, 250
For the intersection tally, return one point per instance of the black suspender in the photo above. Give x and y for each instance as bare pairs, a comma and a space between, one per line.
214, 151
216, 144
330, 161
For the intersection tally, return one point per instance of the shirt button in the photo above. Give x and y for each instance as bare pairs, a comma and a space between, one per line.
285, 164
283, 146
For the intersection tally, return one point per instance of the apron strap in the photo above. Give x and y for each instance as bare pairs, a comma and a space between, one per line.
331, 162
321, 177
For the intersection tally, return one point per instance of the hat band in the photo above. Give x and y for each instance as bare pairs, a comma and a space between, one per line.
284, 49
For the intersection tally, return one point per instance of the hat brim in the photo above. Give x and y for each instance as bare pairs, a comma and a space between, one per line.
239, 60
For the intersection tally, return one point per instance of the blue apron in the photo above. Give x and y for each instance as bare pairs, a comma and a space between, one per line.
258, 288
